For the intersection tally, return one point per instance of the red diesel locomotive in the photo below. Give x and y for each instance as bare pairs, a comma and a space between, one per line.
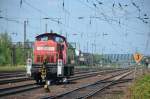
53, 59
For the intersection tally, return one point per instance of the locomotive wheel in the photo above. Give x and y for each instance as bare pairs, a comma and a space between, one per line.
38, 78
39, 81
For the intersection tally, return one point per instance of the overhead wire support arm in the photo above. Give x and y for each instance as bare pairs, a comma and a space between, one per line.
40, 11
57, 20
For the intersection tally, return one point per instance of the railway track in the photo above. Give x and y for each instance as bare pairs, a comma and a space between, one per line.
12, 75
28, 87
87, 91
78, 75
21, 74
24, 78
18, 89
86, 75
13, 80
8, 78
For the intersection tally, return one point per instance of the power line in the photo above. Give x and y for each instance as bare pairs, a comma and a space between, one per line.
107, 19
105, 16
40, 11
52, 19
18, 22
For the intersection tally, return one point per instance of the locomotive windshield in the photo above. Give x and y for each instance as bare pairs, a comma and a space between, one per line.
45, 38
54, 37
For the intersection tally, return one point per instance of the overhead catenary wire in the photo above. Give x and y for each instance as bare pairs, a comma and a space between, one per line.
123, 24
52, 19
95, 6
100, 13
40, 11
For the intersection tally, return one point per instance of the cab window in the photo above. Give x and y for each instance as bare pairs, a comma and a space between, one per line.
59, 39
45, 38
51, 38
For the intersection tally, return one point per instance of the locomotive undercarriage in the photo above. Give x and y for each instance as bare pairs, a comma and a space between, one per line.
49, 72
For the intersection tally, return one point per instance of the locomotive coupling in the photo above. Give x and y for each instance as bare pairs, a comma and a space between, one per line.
46, 86
47, 89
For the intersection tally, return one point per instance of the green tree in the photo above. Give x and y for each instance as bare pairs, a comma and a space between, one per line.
19, 55
5, 51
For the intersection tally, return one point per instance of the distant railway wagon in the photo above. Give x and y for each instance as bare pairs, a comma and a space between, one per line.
53, 58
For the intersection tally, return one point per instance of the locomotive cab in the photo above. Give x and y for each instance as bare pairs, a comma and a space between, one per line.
50, 58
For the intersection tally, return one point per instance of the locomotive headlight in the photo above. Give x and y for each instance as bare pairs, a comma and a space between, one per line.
45, 48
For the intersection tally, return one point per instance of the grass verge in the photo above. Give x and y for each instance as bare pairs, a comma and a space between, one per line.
141, 88
12, 68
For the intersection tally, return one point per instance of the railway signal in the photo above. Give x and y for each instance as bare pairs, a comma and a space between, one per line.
137, 57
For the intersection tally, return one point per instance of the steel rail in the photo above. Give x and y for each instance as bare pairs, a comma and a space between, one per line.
18, 89
12, 75
101, 83
13, 80
28, 87
105, 86
75, 77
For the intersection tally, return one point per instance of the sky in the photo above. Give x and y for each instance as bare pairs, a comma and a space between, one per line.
97, 26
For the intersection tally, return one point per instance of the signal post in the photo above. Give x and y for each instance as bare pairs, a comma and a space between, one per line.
137, 57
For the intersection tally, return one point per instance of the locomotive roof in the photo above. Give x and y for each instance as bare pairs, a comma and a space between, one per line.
48, 34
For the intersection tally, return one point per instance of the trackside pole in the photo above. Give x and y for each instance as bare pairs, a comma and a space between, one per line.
135, 69
137, 57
